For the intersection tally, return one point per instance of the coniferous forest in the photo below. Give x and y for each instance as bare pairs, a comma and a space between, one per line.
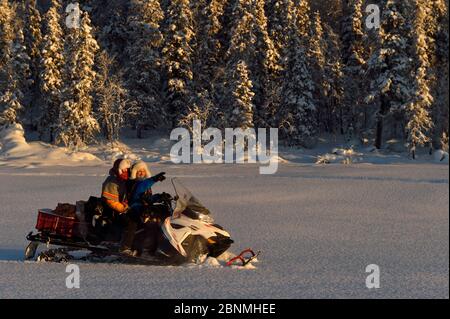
307, 67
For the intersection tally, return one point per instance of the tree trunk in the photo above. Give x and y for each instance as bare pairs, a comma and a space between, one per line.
52, 137
379, 134
437, 129
111, 140
380, 122
139, 131
366, 119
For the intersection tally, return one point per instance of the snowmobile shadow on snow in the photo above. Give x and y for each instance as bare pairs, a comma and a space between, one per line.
173, 231
11, 254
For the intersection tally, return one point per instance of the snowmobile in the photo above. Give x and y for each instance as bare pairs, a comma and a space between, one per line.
174, 230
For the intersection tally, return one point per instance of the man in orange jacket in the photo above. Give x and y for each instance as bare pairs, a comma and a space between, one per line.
114, 191
114, 188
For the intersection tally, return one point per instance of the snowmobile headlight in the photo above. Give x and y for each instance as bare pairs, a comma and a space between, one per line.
206, 218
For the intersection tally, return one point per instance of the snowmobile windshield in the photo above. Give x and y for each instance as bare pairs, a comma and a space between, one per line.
187, 203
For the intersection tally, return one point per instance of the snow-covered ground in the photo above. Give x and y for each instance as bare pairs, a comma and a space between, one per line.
155, 147
318, 227
15, 150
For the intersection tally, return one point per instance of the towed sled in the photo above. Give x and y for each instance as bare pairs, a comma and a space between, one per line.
173, 230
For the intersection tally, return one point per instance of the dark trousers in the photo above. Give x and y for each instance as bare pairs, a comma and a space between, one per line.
130, 222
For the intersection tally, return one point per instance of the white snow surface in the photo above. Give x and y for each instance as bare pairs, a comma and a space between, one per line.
318, 227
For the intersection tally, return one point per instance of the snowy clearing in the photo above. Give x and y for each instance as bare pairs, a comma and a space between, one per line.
318, 228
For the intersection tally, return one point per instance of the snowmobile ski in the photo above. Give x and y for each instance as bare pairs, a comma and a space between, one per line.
244, 257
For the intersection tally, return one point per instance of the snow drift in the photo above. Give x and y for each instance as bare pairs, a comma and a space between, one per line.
440, 156
15, 150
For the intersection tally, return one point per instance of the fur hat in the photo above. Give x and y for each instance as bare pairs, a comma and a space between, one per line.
140, 165
124, 165
119, 166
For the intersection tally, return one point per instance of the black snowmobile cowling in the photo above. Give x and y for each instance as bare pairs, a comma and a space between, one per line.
173, 230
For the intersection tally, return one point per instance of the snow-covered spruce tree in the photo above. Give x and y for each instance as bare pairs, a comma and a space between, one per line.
21, 65
437, 27
298, 125
303, 21
111, 19
112, 108
177, 53
271, 72
10, 98
32, 24
51, 74
317, 50
418, 117
240, 96
335, 117
317, 42
6, 38
33, 35
354, 56
279, 13
15, 73
390, 67
76, 124
144, 66
207, 58
9, 107
204, 43
251, 43
22, 68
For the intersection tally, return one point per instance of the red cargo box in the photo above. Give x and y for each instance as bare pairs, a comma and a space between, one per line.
55, 224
